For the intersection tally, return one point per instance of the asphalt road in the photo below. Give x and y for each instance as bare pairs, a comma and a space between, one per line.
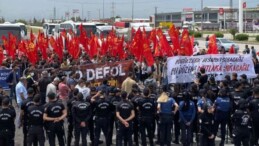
19, 137
202, 45
19, 134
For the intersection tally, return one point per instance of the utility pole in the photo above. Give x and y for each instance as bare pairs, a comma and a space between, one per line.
155, 16
82, 11
99, 14
113, 9
54, 16
89, 14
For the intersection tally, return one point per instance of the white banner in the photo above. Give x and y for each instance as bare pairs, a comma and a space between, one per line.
184, 69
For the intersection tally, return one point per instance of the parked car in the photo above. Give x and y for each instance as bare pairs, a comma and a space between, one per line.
221, 42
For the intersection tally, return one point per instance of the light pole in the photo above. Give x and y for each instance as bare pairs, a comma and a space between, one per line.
132, 10
201, 14
240, 16
103, 9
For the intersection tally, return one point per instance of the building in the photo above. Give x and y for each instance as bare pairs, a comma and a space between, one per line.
211, 18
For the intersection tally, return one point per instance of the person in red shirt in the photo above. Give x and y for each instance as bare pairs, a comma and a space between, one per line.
63, 89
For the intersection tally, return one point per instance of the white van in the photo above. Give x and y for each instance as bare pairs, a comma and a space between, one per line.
7, 28
104, 30
23, 29
75, 27
48, 28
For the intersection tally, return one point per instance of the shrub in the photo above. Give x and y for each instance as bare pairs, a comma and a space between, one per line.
233, 32
257, 38
219, 35
197, 34
242, 37
191, 32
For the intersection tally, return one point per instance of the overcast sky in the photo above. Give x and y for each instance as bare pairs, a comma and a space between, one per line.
28, 9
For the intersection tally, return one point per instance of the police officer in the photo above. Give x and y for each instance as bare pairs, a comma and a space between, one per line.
194, 93
125, 114
242, 124
222, 113
136, 97
187, 113
24, 115
254, 111
70, 128
102, 113
178, 98
81, 112
115, 100
7, 127
35, 123
202, 101
207, 126
147, 111
54, 115
167, 107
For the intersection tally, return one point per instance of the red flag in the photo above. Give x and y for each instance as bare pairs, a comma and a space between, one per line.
133, 31
147, 53
5, 43
1, 55
212, 46
83, 39
74, 47
43, 45
31, 52
186, 46
165, 47
12, 45
22, 47
32, 37
232, 50
120, 48
57, 46
136, 47
93, 46
174, 35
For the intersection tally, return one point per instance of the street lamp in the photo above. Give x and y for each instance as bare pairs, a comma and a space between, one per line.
103, 9
132, 10
240, 16
201, 14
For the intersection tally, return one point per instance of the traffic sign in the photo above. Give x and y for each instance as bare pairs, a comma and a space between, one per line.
221, 11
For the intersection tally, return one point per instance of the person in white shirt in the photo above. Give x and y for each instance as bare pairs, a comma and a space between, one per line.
21, 92
52, 87
82, 88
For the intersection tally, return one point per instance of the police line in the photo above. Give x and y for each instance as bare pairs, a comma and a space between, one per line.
184, 69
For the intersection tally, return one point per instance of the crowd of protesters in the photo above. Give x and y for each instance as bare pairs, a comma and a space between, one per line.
145, 105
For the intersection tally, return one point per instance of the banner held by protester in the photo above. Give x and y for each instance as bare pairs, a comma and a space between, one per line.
184, 69
115, 72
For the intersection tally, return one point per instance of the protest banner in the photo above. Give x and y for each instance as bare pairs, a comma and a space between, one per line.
3, 75
114, 72
184, 69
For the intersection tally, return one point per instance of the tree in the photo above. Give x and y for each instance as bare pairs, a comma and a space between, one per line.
233, 32
22, 21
